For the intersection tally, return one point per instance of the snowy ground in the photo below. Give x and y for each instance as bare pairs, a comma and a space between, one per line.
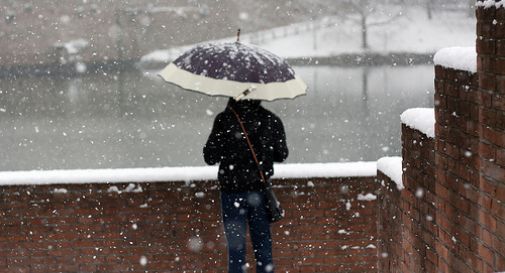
408, 31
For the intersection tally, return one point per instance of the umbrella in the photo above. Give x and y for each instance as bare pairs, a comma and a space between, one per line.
234, 70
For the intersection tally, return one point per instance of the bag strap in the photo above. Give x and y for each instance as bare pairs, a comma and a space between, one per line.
262, 176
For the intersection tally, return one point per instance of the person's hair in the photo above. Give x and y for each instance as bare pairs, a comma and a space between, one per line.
244, 103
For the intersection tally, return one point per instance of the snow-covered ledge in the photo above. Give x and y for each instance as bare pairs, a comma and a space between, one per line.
392, 168
459, 58
490, 3
422, 119
282, 171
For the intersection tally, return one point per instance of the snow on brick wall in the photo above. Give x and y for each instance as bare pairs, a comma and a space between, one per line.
282, 171
422, 119
392, 168
490, 3
460, 58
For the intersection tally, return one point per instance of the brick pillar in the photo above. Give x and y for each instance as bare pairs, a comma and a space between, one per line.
457, 170
407, 228
418, 240
491, 71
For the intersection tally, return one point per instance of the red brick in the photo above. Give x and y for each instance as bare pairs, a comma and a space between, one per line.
487, 186
484, 29
493, 171
485, 14
487, 151
486, 46
500, 121
440, 72
485, 99
487, 81
499, 192
500, 48
499, 66
499, 30
485, 253
500, 16
493, 136
488, 117
486, 64
499, 103
500, 261
500, 157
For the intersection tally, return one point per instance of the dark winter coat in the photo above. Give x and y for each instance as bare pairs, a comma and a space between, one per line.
227, 145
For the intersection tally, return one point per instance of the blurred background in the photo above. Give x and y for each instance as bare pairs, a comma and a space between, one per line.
78, 83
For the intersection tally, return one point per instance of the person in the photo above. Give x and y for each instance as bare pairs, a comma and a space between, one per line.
242, 189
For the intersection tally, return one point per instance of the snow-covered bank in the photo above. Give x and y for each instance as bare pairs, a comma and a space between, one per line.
282, 171
257, 38
409, 32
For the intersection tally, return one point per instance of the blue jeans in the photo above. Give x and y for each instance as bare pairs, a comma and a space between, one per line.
240, 210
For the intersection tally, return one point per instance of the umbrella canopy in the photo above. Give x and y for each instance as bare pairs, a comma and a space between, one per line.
234, 70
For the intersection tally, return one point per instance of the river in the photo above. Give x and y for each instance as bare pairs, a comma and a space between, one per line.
133, 119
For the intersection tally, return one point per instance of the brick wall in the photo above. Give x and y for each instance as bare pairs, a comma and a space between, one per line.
390, 226
406, 222
491, 194
457, 172
418, 200
447, 219
177, 228
458, 223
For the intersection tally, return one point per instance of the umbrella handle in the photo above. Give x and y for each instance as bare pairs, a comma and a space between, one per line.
244, 93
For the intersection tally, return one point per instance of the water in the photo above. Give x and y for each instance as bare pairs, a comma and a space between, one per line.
136, 120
